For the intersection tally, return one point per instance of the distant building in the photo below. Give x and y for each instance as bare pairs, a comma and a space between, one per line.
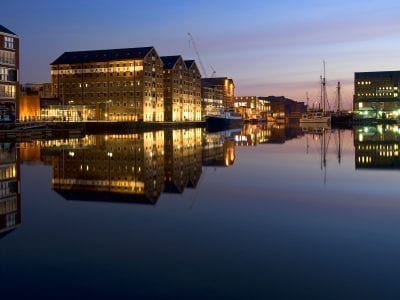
182, 99
376, 94
285, 109
225, 86
118, 85
9, 78
252, 107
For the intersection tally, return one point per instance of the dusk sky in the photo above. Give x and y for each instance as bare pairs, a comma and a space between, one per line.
267, 47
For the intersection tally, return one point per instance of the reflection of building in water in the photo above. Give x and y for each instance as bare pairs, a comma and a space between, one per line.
124, 168
377, 147
218, 150
183, 158
114, 168
10, 198
269, 133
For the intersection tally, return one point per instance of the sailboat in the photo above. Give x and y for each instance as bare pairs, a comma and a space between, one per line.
312, 118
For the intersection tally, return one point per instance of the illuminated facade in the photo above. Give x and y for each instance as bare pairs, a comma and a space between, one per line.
9, 77
117, 85
182, 99
376, 94
223, 84
212, 101
10, 198
252, 107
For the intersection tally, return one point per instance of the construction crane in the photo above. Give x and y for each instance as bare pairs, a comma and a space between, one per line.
191, 41
213, 72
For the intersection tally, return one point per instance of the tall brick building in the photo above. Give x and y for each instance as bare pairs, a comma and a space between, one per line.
118, 85
9, 79
182, 92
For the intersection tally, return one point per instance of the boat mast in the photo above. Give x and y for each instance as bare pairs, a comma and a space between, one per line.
323, 91
339, 97
307, 101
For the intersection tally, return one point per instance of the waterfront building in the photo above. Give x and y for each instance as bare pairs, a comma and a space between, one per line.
376, 94
212, 101
9, 77
252, 107
225, 86
117, 85
194, 90
10, 197
182, 99
31, 98
284, 109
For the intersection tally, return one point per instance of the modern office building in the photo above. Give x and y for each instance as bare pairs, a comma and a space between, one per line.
118, 85
252, 107
212, 101
9, 77
376, 94
225, 86
182, 80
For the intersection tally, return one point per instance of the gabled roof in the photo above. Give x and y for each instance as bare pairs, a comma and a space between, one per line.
170, 61
6, 30
189, 63
77, 57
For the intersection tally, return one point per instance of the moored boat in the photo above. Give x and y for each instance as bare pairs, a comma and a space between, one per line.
224, 120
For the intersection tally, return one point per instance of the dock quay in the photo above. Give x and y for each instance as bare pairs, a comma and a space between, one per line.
47, 130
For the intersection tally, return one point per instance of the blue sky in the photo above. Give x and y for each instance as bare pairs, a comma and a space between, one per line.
267, 47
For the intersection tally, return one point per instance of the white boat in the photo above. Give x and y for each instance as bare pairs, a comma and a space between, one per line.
315, 117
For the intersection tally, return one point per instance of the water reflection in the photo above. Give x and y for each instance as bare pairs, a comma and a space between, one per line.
139, 167
10, 200
134, 168
267, 133
377, 147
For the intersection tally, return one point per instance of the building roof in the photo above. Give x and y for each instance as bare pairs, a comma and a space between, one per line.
6, 30
77, 57
189, 63
170, 61
377, 74
213, 81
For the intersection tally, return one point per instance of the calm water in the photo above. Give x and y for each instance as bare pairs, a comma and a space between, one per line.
266, 213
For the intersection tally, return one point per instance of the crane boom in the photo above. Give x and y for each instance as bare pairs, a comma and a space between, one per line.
191, 40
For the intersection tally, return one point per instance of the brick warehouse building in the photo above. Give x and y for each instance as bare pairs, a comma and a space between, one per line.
9, 78
118, 85
182, 89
